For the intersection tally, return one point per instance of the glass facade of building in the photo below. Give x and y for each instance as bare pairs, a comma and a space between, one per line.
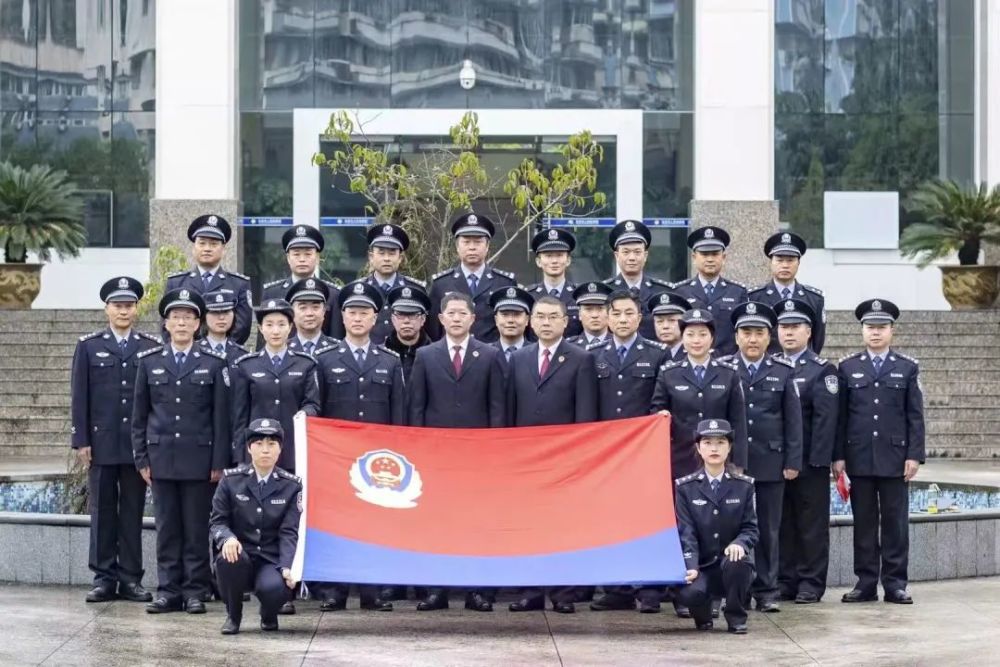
77, 92
870, 95
528, 54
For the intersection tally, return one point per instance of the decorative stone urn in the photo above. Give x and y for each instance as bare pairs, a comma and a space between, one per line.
19, 285
972, 287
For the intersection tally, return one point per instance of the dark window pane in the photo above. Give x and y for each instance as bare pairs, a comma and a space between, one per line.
133, 150
134, 61
798, 57
276, 53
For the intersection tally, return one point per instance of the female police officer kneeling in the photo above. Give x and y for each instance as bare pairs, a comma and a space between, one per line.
718, 529
255, 524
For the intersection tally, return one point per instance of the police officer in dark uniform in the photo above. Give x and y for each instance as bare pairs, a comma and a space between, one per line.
696, 388
181, 444
718, 530
553, 250
220, 317
630, 241
274, 382
303, 249
308, 298
386, 245
592, 301
457, 382
550, 382
363, 382
774, 436
667, 308
708, 290
472, 276
785, 251
210, 234
408, 307
512, 306
102, 389
804, 551
881, 445
255, 527
627, 366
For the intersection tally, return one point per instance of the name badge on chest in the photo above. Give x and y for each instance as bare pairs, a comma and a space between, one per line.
732, 501
277, 501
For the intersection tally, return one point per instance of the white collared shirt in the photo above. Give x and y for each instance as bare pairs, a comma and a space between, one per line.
478, 273
718, 479
463, 345
794, 357
354, 348
552, 353
548, 288
791, 288
119, 339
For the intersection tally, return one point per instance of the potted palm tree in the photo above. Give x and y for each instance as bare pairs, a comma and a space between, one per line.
40, 213
956, 219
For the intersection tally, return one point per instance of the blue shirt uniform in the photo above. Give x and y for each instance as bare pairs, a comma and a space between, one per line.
230, 283
455, 280
368, 391
720, 300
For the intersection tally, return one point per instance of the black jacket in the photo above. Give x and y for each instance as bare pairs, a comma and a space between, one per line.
626, 389
228, 282
453, 280
819, 396
474, 399
567, 394
709, 522
372, 393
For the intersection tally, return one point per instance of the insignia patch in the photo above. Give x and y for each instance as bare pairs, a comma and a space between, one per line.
475, 353
240, 496
298, 501
294, 373
561, 359
225, 376
629, 226
592, 287
300, 231
200, 371
123, 283
385, 478
699, 501
895, 375
682, 387
377, 370
407, 293
709, 233
732, 501
786, 238
857, 375
831, 383
713, 424
277, 501
158, 371
511, 292
789, 305
310, 283
219, 298
338, 370
359, 288
876, 305
212, 220
102, 355
185, 294
553, 235
718, 386
257, 375
752, 308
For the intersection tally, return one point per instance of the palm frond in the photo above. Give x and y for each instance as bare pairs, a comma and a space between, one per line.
40, 212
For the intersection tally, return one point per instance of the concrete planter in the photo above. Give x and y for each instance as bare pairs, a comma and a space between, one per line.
970, 287
19, 285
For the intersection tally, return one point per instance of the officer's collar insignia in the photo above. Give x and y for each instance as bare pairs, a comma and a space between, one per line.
123, 283
185, 294
786, 238
511, 292
359, 289
553, 235
789, 305
709, 234
407, 292
300, 231
876, 305
386, 478
472, 220
751, 309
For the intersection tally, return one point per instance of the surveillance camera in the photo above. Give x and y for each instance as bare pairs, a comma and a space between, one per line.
467, 77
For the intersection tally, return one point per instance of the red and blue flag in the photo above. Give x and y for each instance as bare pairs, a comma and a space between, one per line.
580, 504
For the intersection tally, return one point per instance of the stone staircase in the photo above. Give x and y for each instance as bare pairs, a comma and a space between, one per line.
959, 356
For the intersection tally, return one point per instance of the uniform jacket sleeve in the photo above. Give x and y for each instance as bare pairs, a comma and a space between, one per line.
749, 532
819, 328
140, 418
398, 396
686, 527
241, 412
244, 314
661, 394
288, 533
840, 443
511, 391
220, 521
80, 397
586, 391
915, 418
418, 391
793, 424
826, 408
498, 398
736, 415
310, 393
222, 436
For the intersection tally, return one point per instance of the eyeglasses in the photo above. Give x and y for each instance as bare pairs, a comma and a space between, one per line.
547, 317
180, 317
406, 317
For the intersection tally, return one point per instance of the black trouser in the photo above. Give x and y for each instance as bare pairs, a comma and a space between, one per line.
804, 552
768, 497
443, 591
181, 509
558, 594
728, 579
247, 574
328, 591
881, 507
117, 498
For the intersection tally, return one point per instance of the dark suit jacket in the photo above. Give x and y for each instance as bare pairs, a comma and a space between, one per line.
473, 399
567, 394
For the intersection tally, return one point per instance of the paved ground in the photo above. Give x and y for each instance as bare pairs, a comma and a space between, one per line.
952, 623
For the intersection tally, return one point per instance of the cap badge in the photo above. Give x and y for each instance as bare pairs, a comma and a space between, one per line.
123, 283
219, 298
696, 314
553, 235
751, 309
786, 238
472, 219
387, 230
310, 284
713, 424
359, 288
270, 304
511, 292
300, 231
185, 295
629, 226
407, 292
876, 305
664, 298
265, 423
213, 221
592, 287
789, 305
710, 233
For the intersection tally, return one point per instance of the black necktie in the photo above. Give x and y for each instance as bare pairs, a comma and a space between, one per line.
785, 293
260, 487
699, 373
179, 358
122, 344
715, 487
877, 363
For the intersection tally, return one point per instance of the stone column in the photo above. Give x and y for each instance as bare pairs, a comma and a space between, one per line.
749, 223
169, 220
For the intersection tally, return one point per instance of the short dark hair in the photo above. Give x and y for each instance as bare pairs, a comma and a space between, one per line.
621, 294
551, 301
457, 296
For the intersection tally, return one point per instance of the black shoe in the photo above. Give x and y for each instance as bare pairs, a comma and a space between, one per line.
681, 611
806, 597
433, 602
194, 606
857, 595
333, 604
584, 594
103, 594
648, 606
527, 604
564, 607
786, 596
269, 624
287, 609
134, 592
230, 627
612, 602
206, 596
768, 606
738, 628
899, 596
478, 602
246, 597
716, 606
163, 606
704, 627
376, 604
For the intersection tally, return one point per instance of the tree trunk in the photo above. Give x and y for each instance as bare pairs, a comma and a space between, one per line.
968, 254
11, 257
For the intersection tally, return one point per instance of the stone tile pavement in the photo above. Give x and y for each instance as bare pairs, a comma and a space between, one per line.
953, 622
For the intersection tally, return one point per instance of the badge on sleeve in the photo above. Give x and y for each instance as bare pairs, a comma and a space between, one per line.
832, 385
225, 375
298, 501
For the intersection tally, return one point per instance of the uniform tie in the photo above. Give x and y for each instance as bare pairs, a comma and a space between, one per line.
753, 371
554, 292
622, 351
473, 282
276, 360
179, 358
710, 289
509, 352
785, 293
699, 373
260, 487
545, 363
360, 354
456, 360
308, 346
877, 363
715, 487
385, 288
206, 278
220, 348
122, 344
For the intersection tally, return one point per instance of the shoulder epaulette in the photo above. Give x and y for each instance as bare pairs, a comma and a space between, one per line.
849, 356
686, 478
241, 469
814, 290
907, 357
441, 274
593, 346
240, 347
782, 361
152, 350
725, 363
746, 478
247, 356
660, 281
757, 289
274, 282
95, 334
821, 361
652, 343
240, 275
178, 274
212, 353
326, 349
387, 350
150, 337
305, 355
735, 282
506, 274
287, 475
415, 281
670, 364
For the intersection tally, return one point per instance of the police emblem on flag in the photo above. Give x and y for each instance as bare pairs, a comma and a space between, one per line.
387, 479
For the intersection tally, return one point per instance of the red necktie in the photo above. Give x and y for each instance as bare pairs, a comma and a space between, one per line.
456, 361
545, 363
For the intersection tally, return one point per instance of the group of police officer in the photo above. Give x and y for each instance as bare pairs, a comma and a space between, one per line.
208, 424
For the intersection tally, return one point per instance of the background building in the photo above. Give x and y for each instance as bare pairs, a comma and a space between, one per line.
706, 108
